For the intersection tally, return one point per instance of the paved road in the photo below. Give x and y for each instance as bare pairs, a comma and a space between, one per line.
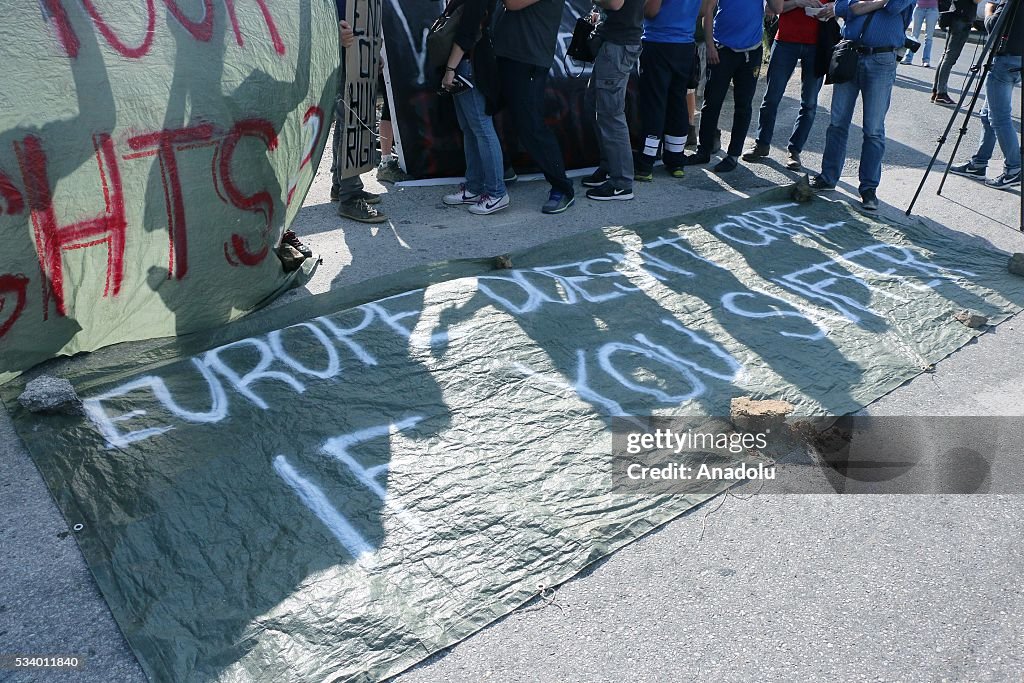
778, 588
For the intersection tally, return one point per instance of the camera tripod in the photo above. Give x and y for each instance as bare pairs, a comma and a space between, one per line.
982, 66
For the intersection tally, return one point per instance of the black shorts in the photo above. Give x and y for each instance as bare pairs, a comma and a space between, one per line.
695, 73
385, 112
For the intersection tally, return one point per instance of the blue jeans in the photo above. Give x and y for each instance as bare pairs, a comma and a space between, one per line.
875, 75
996, 116
781, 65
485, 166
926, 18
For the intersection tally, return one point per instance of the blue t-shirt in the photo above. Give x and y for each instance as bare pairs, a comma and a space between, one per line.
675, 22
739, 24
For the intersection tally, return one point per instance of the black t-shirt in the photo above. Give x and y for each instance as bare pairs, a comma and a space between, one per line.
1015, 44
528, 35
625, 25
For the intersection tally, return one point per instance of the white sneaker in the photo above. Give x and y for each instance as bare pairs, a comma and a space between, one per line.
487, 204
463, 196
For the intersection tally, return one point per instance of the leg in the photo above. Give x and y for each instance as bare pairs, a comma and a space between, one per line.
466, 113
655, 79
810, 86
527, 100
915, 29
590, 108
677, 120
481, 139
957, 36
999, 87
844, 98
876, 74
780, 69
931, 17
611, 73
715, 90
744, 85
987, 144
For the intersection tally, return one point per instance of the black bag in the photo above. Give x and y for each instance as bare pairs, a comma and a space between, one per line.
441, 37
583, 46
842, 68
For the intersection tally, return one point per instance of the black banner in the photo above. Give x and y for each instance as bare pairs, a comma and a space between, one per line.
425, 123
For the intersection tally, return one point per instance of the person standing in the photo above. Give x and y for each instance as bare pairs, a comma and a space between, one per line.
997, 114
734, 57
354, 202
524, 42
926, 15
666, 70
879, 26
796, 43
472, 59
958, 30
605, 102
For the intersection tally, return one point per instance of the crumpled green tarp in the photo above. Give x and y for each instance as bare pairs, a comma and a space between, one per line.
151, 155
334, 492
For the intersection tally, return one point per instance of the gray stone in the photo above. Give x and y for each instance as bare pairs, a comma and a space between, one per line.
47, 394
972, 320
801, 190
755, 416
1016, 265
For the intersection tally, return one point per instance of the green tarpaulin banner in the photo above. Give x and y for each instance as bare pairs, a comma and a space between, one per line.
151, 155
335, 491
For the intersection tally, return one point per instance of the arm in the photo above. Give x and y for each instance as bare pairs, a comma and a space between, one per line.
652, 7
707, 13
612, 5
866, 7
776, 5
453, 61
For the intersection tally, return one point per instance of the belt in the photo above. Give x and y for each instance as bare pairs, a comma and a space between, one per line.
874, 50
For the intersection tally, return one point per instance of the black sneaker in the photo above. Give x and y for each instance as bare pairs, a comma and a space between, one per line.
595, 179
698, 159
818, 183
968, 170
510, 176
368, 197
868, 200
359, 210
293, 241
1004, 181
607, 193
725, 165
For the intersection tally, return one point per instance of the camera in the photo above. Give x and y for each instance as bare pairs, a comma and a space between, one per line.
911, 44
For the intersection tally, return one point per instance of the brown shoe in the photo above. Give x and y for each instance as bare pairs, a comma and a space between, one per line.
359, 210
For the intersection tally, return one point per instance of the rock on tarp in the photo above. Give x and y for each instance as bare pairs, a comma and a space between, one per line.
151, 154
335, 489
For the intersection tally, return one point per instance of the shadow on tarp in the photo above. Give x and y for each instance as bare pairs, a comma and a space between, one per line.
185, 472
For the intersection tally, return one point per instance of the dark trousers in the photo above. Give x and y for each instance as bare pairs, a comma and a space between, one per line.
956, 38
522, 89
666, 70
741, 69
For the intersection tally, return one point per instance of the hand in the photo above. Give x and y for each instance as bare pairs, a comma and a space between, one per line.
346, 34
594, 17
827, 12
448, 80
712, 53
808, 3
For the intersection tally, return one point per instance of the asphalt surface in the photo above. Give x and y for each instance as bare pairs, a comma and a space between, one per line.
766, 588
